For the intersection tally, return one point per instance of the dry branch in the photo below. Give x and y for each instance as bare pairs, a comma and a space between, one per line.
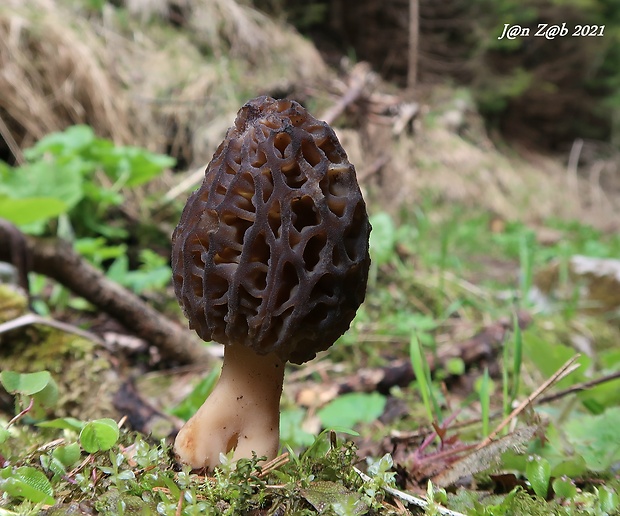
561, 373
59, 261
359, 82
482, 346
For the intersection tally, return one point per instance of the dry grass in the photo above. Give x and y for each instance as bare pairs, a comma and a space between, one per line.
461, 165
142, 80
172, 76
53, 74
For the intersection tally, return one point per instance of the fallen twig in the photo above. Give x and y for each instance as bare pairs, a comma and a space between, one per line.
27, 319
19, 256
409, 498
268, 467
562, 372
578, 387
360, 79
59, 261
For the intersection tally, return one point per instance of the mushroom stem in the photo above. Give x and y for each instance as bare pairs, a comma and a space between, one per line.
242, 412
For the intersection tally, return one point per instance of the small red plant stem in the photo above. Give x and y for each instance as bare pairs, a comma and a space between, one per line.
22, 413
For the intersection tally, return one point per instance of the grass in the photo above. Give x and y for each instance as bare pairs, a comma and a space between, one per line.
428, 291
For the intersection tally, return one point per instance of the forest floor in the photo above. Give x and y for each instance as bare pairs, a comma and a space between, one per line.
480, 376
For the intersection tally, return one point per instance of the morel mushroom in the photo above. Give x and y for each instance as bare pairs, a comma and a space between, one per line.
270, 258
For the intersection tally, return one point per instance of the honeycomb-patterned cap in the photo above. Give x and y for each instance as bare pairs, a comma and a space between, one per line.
271, 252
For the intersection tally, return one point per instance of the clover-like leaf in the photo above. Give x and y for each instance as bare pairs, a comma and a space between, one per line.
564, 487
25, 383
99, 435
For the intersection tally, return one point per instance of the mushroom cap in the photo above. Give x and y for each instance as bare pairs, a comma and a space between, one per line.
271, 252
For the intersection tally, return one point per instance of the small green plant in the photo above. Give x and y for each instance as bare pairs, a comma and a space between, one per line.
423, 379
35, 392
538, 473
350, 409
72, 185
484, 392
59, 179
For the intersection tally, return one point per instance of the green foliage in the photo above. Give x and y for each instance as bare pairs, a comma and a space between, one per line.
456, 243
292, 434
188, 407
423, 380
26, 384
538, 473
494, 94
120, 473
382, 238
596, 439
25, 212
412, 316
72, 185
60, 175
484, 391
353, 408
27, 483
99, 435
153, 273
34, 392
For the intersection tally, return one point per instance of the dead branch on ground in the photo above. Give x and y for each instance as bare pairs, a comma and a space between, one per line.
58, 260
484, 346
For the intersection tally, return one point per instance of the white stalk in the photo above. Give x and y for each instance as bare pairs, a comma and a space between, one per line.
242, 412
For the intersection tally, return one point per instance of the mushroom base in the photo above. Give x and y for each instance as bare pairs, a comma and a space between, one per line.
242, 412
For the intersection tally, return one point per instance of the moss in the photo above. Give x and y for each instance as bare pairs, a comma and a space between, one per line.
68, 509
12, 303
114, 502
83, 373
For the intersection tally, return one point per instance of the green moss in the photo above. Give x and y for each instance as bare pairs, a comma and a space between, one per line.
12, 303
85, 378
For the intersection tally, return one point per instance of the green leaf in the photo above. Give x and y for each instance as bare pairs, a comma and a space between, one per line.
68, 142
352, 408
48, 396
596, 438
144, 166
608, 499
382, 238
548, 357
484, 391
455, 366
33, 209
28, 483
564, 487
291, 431
65, 423
25, 383
188, 407
538, 473
418, 365
68, 455
99, 435
61, 181
4, 434
571, 467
